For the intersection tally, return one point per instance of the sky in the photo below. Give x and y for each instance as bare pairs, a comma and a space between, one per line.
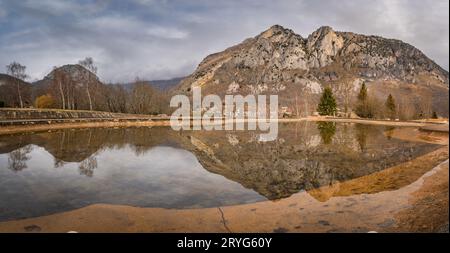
162, 39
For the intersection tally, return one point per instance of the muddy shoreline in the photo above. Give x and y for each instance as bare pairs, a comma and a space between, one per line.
13, 129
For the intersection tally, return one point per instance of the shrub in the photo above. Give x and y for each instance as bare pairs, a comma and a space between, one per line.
44, 101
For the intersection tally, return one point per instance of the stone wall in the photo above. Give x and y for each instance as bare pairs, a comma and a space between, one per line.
30, 114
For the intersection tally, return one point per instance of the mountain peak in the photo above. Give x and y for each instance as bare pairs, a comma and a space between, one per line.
277, 27
75, 71
275, 30
324, 29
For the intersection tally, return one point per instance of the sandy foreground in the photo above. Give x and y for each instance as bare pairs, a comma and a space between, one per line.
409, 197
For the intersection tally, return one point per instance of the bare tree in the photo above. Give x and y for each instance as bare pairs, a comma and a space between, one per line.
425, 108
88, 63
17, 71
58, 80
116, 98
406, 108
347, 88
143, 98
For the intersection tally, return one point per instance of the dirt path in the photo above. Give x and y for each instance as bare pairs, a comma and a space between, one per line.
13, 129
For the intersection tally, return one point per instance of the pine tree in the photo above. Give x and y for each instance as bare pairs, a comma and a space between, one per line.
327, 104
391, 108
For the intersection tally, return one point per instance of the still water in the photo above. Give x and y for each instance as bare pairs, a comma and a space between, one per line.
49, 172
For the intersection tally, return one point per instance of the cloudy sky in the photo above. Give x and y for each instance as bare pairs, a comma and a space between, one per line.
160, 39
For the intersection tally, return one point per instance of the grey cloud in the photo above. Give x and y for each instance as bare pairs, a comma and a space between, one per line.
162, 39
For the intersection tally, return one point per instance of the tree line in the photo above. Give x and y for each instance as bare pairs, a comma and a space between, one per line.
81, 90
84, 91
368, 106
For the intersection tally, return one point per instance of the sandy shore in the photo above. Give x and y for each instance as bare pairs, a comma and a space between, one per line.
410, 197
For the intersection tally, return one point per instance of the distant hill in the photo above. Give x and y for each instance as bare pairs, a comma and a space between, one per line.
163, 85
8, 91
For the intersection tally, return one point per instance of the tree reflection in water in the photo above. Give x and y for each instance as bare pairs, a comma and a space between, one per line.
327, 131
389, 131
88, 166
58, 163
361, 135
18, 158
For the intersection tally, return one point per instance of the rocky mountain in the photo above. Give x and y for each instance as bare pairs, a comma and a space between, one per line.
73, 72
78, 73
280, 61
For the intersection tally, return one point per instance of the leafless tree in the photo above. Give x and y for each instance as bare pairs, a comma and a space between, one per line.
59, 81
88, 63
17, 71
346, 89
142, 98
424, 106
116, 98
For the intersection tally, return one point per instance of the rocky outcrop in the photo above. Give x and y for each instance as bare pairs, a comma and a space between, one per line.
280, 61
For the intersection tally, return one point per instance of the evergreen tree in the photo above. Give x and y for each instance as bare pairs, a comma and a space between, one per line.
435, 116
391, 108
327, 104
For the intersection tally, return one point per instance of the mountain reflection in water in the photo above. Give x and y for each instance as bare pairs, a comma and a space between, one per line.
44, 173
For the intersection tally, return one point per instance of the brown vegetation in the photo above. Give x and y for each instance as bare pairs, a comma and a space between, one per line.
76, 87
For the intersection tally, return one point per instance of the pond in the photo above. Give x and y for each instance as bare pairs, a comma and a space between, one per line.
48, 172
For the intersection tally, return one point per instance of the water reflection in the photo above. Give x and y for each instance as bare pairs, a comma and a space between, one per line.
158, 167
361, 135
88, 165
18, 158
327, 131
389, 130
